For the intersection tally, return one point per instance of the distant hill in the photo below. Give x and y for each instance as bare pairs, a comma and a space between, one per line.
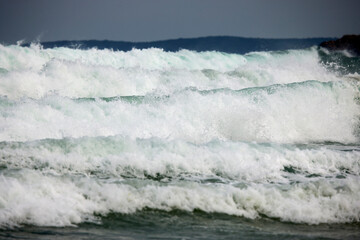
221, 43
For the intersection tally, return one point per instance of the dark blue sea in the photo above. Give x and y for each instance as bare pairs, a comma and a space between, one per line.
206, 138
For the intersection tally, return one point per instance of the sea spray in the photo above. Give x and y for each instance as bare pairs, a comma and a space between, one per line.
35, 72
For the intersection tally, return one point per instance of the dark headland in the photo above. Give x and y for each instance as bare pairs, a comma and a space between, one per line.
350, 43
225, 44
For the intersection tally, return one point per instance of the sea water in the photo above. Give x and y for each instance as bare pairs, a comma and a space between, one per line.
149, 144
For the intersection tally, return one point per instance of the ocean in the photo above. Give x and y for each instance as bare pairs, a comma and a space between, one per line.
157, 143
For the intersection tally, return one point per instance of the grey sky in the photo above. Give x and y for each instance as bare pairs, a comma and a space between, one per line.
135, 20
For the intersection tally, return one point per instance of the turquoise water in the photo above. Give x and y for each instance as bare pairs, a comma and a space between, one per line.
184, 225
148, 144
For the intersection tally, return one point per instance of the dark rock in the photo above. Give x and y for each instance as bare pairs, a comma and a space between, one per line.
350, 43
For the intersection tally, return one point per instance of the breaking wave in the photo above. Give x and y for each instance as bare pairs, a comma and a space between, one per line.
84, 133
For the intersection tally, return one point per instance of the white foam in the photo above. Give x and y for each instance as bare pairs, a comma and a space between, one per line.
28, 197
35, 72
307, 112
118, 156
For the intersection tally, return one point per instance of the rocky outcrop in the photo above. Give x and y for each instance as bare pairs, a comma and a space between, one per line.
350, 43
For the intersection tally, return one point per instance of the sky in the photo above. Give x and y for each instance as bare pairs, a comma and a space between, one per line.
146, 20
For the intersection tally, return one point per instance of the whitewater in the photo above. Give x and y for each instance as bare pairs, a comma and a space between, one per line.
87, 133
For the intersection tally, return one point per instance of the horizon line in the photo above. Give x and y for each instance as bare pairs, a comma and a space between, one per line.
24, 41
